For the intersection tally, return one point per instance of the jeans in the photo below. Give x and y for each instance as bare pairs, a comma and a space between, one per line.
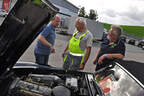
41, 59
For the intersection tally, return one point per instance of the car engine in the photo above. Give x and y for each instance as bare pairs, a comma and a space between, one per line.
49, 85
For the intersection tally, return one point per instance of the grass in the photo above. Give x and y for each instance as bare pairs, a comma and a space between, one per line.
137, 31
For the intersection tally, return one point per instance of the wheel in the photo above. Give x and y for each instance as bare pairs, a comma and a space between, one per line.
143, 47
139, 45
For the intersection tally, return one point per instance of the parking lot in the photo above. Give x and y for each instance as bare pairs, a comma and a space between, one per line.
132, 53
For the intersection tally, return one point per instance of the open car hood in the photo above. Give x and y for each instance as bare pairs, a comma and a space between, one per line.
30, 79
21, 27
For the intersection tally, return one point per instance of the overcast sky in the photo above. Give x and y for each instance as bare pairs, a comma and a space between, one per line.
123, 12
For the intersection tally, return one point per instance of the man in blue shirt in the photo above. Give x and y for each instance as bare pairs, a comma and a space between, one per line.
45, 43
111, 48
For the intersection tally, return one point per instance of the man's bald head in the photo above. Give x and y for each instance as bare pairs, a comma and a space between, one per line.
56, 21
80, 24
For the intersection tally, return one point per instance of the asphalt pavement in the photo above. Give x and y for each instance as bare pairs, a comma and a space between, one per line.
132, 53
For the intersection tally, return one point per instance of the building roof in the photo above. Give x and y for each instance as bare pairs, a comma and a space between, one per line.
72, 4
65, 4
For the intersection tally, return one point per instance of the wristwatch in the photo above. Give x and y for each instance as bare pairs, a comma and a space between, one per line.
50, 46
105, 55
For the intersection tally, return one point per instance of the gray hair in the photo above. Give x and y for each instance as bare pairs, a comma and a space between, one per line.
81, 20
117, 29
56, 16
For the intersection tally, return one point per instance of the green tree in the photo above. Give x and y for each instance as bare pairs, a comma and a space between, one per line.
82, 12
86, 16
93, 15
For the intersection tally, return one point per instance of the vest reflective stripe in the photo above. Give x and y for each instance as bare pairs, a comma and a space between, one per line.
65, 57
74, 54
74, 47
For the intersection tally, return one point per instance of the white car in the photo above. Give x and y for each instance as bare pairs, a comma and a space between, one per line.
3, 13
143, 47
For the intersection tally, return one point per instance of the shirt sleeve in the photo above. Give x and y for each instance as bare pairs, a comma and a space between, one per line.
90, 40
45, 32
122, 49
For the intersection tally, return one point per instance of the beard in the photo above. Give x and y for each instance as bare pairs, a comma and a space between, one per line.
109, 38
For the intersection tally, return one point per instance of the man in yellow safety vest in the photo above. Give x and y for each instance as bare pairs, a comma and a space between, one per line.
78, 49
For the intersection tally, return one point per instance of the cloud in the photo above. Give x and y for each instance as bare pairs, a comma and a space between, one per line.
110, 13
135, 14
131, 16
123, 12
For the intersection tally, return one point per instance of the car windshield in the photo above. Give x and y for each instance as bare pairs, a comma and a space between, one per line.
142, 40
132, 40
2, 10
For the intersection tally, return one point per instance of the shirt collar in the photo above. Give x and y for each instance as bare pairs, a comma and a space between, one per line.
116, 42
52, 27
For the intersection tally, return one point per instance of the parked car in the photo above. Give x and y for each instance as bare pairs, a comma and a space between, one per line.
143, 47
31, 79
3, 13
141, 43
123, 38
132, 41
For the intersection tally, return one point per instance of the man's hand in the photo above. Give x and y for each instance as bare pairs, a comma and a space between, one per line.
100, 61
63, 54
82, 66
52, 50
95, 62
66, 49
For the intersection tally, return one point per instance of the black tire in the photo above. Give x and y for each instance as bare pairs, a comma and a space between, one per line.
139, 45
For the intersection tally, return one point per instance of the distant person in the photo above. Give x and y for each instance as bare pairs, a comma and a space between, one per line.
111, 48
45, 43
78, 49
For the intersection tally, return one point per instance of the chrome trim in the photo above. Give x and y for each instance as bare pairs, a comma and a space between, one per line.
23, 67
27, 65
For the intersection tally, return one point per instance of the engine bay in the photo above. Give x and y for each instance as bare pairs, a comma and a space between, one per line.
50, 85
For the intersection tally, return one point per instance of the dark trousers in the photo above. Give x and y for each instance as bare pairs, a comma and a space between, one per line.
72, 62
41, 59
